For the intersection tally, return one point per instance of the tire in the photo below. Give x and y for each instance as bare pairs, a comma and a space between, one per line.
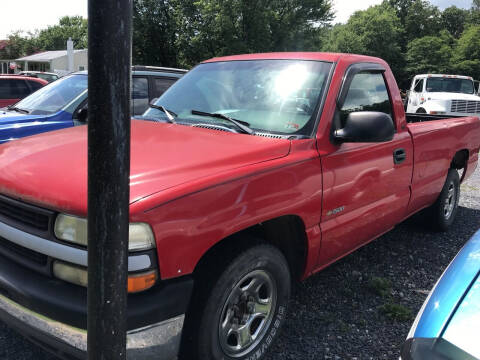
442, 213
244, 307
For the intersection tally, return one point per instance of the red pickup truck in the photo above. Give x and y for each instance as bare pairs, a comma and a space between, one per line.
249, 172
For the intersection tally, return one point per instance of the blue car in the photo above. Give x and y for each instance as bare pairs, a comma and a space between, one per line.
448, 324
63, 103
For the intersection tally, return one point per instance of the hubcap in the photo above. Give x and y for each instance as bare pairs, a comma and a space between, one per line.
247, 313
450, 201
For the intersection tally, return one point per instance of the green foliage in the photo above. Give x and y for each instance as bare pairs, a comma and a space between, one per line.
210, 28
454, 20
466, 59
413, 36
380, 286
154, 33
55, 37
376, 31
430, 54
396, 312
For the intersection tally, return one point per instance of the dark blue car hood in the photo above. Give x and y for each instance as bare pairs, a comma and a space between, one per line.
13, 117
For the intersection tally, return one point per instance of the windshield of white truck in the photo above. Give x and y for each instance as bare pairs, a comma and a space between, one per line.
279, 96
55, 96
452, 85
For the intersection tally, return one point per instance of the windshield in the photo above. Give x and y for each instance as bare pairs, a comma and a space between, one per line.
48, 77
452, 85
278, 96
55, 96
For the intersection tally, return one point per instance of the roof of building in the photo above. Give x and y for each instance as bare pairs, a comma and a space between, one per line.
48, 55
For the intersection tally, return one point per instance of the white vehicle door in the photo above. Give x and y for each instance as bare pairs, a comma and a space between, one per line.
416, 93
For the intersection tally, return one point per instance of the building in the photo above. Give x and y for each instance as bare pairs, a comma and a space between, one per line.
54, 61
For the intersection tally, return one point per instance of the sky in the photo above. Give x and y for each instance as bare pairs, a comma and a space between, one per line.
29, 15
345, 8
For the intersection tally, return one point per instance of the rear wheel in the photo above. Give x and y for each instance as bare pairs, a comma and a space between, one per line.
445, 208
244, 308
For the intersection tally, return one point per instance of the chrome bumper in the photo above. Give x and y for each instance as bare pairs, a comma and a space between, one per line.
160, 341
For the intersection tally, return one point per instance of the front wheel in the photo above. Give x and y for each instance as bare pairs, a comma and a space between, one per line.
245, 307
445, 208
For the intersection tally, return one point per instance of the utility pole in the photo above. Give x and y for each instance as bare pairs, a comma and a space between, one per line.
109, 70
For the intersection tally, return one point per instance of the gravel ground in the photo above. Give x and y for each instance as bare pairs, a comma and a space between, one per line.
362, 306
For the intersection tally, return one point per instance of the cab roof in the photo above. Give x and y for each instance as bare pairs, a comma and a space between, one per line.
445, 76
315, 56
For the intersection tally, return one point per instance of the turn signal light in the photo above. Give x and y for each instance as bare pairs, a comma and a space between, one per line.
79, 276
141, 282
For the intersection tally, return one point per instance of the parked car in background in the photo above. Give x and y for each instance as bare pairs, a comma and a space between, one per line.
447, 326
436, 94
50, 77
255, 171
64, 103
15, 88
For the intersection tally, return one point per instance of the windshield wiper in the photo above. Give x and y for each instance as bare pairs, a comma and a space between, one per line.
14, 108
170, 114
242, 125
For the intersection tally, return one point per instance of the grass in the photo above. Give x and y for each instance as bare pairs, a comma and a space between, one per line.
380, 286
396, 312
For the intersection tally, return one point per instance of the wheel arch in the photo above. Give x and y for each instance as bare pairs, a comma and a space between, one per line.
287, 233
460, 161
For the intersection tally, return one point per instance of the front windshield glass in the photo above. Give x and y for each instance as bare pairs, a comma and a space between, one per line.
55, 96
278, 96
452, 85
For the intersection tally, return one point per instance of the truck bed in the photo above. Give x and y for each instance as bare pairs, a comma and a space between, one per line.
414, 117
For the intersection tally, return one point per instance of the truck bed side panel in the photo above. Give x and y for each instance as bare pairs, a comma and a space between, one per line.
435, 144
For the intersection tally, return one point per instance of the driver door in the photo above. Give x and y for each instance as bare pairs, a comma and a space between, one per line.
366, 185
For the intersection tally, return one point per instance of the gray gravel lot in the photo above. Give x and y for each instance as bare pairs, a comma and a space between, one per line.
362, 306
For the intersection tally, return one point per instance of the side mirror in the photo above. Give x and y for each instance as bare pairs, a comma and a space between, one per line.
366, 126
82, 114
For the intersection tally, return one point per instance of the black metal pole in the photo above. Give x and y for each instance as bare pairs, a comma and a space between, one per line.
109, 68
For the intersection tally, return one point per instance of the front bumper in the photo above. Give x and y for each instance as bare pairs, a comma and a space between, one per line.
160, 341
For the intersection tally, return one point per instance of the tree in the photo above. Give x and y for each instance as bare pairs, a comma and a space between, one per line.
418, 18
20, 45
376, 31
430, 54
454, 19
214, 27
154, 33
55, 37
467, 53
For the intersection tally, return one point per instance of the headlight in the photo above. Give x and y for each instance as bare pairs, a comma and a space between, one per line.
74, 229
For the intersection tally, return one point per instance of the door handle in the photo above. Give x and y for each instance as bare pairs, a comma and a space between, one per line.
399, 155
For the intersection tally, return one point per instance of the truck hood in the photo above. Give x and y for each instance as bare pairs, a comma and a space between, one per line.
451, 96
50, 169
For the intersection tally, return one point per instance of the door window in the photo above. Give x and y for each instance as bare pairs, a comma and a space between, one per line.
419, 86
34, 85
140, 95
368, 92
160, 85
140, 88
13, 89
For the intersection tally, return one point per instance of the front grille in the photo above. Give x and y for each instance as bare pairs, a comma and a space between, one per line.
25, 217
465, 106
13, 250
